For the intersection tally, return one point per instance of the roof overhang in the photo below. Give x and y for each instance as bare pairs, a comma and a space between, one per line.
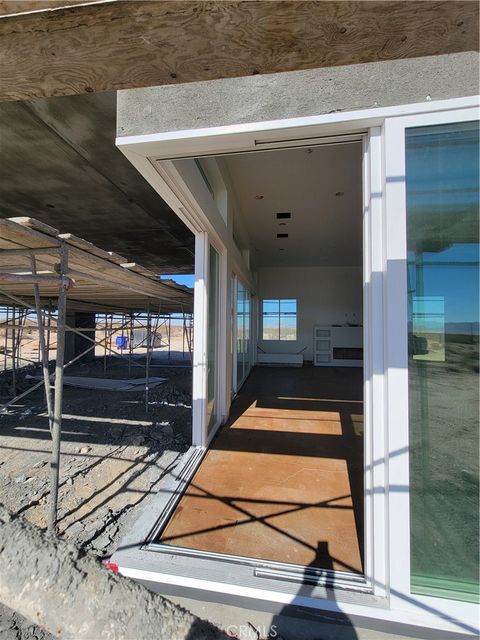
49, 50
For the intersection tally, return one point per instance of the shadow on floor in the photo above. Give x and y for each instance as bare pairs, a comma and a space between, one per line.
285, 469
293, 623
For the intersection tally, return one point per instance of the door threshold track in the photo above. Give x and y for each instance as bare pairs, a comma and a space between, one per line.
273, 570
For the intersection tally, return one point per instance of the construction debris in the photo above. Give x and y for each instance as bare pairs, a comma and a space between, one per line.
107, 384
72, 595
113, 459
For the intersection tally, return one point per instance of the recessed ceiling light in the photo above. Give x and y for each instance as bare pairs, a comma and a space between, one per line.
340, 193
259, 196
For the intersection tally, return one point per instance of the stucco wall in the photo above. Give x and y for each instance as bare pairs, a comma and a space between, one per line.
294, 94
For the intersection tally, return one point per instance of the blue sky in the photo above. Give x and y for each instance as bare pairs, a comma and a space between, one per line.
187, 280
442, 205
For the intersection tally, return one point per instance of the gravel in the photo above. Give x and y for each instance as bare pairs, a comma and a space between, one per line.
113, 456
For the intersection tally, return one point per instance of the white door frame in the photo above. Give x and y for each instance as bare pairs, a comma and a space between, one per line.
200, 435
385, 310
199, 357
375, 468
397, 397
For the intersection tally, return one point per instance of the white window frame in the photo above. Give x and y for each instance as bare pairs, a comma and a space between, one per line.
200, 435
279, 339
397, 398
387, 553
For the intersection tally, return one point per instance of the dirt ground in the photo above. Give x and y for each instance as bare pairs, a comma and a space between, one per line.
444, 465
113, 455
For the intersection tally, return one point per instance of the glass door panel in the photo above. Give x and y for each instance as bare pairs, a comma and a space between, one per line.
240, 333
212, 338
246, 333
442, 174
242, 330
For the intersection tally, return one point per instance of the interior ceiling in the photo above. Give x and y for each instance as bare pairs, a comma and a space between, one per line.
59, 164
321, 187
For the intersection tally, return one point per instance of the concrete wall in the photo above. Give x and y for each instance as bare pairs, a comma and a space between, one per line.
325, 295
294, 94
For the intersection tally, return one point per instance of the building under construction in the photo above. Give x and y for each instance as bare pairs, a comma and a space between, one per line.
304, 420
65, 302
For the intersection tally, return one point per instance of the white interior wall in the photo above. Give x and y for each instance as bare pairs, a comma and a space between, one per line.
325, 295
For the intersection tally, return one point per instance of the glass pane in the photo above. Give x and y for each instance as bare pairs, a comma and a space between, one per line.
233, 318
288, 319
240, 332
270, 318
212, 338
246, 332
288, 307
443, 281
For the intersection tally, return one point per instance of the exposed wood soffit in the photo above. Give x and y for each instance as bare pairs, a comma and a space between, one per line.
119, 45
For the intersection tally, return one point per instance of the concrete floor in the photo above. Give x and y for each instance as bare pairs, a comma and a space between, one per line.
247, 624
283, 480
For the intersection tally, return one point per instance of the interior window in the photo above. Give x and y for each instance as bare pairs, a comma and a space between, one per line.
279, 319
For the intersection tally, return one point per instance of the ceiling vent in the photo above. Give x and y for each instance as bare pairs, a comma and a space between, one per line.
284, 215
282, 235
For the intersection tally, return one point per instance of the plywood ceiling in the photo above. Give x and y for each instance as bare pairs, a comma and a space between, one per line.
320, 186
47, 50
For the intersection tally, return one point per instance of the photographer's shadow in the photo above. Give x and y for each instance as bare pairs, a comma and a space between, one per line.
297, 623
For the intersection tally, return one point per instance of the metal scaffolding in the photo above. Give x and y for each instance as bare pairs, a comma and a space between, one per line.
39, 271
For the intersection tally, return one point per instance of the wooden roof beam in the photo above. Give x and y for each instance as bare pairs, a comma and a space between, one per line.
56, 50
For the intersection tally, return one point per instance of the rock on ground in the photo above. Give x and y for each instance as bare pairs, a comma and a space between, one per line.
114, 454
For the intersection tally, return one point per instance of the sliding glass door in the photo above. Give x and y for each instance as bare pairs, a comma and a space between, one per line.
240, 326
212, 418
432, 354
442, 194
242, 332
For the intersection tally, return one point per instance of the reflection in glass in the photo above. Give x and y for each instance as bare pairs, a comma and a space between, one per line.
443, 282
213, 268
243, 333
240, 332
428, 328
246, 333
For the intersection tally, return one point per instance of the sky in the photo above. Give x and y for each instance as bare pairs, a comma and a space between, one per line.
442, 206
187, 280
